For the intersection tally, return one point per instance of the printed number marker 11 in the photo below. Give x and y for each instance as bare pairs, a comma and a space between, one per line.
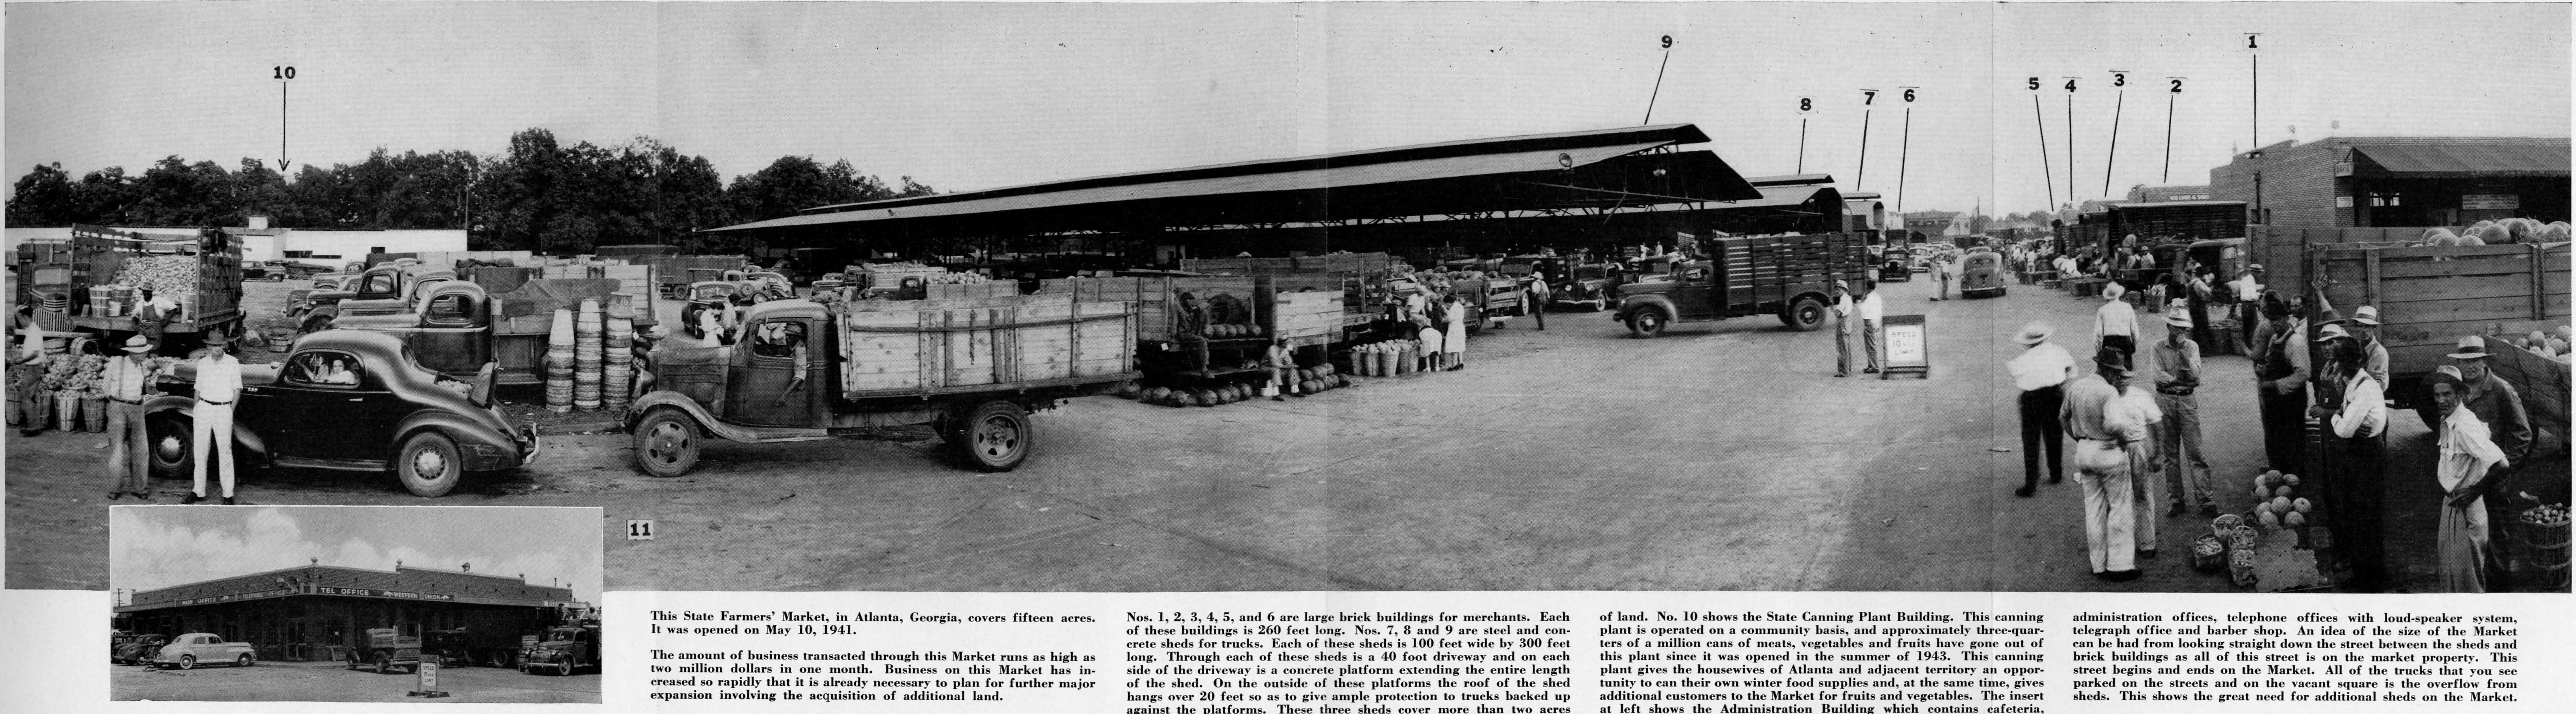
639, 530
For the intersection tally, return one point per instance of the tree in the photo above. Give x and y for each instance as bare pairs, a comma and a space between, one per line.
43, 198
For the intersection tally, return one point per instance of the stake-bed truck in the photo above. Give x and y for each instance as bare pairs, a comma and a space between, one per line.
1787, 276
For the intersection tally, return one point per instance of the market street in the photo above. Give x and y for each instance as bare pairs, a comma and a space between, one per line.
1720, 456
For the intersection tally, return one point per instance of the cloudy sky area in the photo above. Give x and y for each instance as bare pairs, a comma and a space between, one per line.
977, 96
156, 547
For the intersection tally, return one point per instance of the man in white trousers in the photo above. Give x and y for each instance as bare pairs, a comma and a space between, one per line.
218, 389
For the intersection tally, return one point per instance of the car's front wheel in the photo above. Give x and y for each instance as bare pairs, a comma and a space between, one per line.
242, 661
428, 464
187, 661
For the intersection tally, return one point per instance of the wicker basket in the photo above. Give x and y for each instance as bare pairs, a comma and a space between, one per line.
2209, 562
2544, 547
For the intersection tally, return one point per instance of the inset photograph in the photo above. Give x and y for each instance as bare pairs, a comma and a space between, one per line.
354, 604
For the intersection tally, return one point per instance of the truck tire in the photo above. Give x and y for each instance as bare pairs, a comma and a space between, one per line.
1646, 322
384, 664
564, 670
353, 661
428, 464
187, 661
166, 438
996, 436
1806, 315
666, 443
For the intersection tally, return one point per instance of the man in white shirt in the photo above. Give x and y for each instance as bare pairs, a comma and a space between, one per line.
126, 381
1870, 310
2353, 483
2248, 289
2040, 372
154, 314
218, 388
1844, 325
2115, 323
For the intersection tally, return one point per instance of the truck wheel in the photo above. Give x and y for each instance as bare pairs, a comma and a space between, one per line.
428, 464
384, 664
242, 661
996, 436
1807, 314
1646, 323
666, 443
353, 661
187, 661
563, 670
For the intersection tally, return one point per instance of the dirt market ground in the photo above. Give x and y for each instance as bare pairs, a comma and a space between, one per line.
1721, 456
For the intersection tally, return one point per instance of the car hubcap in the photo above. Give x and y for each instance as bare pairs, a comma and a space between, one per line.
666, 442
429, 463
170, 448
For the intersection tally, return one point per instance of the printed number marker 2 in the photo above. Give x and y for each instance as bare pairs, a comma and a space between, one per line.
639, 530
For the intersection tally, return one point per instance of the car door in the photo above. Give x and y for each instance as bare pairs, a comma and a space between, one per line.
765, 365
1695, 294
316, 407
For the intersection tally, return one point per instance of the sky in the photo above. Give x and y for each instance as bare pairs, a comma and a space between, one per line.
964, 96
160, 546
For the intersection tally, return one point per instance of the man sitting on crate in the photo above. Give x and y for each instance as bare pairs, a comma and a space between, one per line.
1283, 365
153, 314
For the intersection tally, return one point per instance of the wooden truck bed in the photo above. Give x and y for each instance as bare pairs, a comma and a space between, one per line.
930, 347
2429, 297
1760, 274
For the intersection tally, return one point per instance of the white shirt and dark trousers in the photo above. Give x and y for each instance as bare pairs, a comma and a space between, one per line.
1870, 312
2355, 482
2041, 373
219, 385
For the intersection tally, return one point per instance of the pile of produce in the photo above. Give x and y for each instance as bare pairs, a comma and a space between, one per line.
1225, 331
2503, 232
1309, 381
2541, 343
882, 274
2276, 503
2552, 515
170, 276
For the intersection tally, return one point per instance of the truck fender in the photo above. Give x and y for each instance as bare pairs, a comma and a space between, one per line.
245, 441
698, 413
1629, 307
473, 442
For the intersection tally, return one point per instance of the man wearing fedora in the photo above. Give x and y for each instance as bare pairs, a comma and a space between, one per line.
127, 380
2363, 325
2041, 372
218, 386
2115, 323
2281, 383
1844, 326
2176, 376
2496, 403
2106, 432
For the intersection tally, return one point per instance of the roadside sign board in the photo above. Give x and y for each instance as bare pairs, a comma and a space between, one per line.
1908, 346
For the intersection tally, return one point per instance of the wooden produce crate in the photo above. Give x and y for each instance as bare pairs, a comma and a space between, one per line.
1306, 318
977, 344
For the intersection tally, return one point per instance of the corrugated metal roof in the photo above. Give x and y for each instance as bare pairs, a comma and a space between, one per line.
1268, 194
1778, 197
2466, 158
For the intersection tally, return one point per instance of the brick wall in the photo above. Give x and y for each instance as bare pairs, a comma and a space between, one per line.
2299, 187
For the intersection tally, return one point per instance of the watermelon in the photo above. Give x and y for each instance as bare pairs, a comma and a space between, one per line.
1157, 394
2268, 519
2299, 505
2437, 232
2294, 519
2289, 479
2280, 504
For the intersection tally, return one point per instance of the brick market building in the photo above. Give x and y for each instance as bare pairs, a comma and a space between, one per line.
316, 612
2346, 182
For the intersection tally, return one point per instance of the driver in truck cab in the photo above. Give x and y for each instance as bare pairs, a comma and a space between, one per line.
783, 339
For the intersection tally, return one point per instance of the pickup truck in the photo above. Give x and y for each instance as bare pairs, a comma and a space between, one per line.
972, 368
188, 650
350, 400
138, 650
459, 327
1787, 276
565, 649
385, 650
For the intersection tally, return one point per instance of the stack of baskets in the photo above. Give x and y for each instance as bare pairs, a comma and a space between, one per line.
559, 363
617, 355
588, 331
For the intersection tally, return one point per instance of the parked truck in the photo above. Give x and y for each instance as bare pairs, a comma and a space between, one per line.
460, 326
489, 637
202, 272
1790, 277
565, 649
2428, 297
385, 649
972, 368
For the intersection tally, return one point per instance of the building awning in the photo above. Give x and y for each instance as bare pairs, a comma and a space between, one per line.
1780, 196
2440, 160
1607, 168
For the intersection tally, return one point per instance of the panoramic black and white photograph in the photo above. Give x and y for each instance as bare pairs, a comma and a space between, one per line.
1284, 297
355, 604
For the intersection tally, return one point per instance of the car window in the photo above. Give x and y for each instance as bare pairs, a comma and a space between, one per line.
450, 309
778, 339
324, 368
379, 284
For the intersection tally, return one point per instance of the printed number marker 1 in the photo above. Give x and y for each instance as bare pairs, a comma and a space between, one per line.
639, 530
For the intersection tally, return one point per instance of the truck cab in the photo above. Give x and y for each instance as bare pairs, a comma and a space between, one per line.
385, 649
564, 650
451, 333
391, 289
783, 343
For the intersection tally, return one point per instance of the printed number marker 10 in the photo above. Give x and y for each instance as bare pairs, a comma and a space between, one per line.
281, 72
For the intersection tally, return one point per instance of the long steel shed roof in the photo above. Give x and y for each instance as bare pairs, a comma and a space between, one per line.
1567, 170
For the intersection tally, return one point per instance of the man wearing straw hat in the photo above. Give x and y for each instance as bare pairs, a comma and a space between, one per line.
1844, 325
2497, 404
2176, 376
218, 387
2104, 436
127, 380
2040, 372
2356, 457
2364, 327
